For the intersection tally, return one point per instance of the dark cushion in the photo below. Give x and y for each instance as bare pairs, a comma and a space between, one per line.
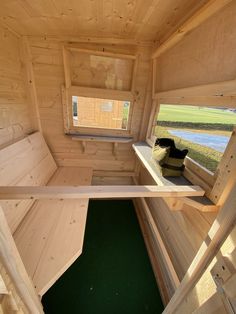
165, 142
168, 159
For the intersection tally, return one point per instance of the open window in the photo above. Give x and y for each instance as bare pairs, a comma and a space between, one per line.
100, 113
205, 131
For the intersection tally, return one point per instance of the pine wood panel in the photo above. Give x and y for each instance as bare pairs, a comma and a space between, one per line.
182, 231
201, 58
49, 76
26, 162
78, 192
22, 297
14, 114
56, 242
139, 20
203, 293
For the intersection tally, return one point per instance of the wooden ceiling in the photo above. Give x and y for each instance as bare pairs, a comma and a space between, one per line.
141, 20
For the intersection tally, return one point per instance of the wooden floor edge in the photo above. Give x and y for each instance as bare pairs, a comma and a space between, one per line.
155, 266
77, 192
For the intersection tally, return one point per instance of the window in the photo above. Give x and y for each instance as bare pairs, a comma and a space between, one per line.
100, 113
205, 131
99, 91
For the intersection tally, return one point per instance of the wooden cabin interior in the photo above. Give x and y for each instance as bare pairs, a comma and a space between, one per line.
81, 85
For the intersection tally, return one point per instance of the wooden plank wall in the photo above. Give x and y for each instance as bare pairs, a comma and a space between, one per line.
206, 287
182, 231
49, 77
98, 71
206, 55
14, 111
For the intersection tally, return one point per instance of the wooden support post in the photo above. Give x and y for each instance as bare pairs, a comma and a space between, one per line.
226, 170
154, 77
219, 231
13, 264
152, 121
30, 84
83, 143
147, 108
134, 74
66, 118
114, 148
205, 12
66, 62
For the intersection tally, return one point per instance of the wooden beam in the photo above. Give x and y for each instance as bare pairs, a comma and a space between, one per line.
218, 89
97, 138
171, 270
147, 107
103, 173
77, 192
134, 74
30, 84
101, 93
220, 101
225, 173
205, 174
153, 253
95, 40
101, 53
66, 117
154, 76
152, 119
13, 264
205, 12
66, 62
217, 234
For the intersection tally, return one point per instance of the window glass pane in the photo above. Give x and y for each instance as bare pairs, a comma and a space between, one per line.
100, 113
204, 131
101, 72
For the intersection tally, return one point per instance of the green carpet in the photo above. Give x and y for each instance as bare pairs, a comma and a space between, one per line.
113, 275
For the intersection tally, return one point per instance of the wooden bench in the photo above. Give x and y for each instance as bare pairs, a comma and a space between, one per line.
48, 233
202, 203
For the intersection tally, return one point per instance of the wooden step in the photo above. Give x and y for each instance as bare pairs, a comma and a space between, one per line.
50, 238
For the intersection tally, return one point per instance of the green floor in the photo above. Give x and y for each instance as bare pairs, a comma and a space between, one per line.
113, 275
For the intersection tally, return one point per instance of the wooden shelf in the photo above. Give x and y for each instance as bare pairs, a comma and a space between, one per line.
96, 138
144, 153
83, 138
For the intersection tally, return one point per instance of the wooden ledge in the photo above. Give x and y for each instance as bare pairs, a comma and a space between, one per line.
144, 153
78, 192
99, 138
96, 138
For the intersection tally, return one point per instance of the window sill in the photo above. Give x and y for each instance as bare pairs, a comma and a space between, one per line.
108, 139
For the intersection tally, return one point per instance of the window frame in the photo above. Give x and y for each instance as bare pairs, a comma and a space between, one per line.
100, 94
151, 138
69, 90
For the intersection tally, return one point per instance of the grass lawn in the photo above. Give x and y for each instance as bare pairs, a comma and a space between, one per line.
209, 117
195, 114
207, 157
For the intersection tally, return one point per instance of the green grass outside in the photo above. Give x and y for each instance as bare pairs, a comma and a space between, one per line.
205, 156
125, 116
195, 114
209, 117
